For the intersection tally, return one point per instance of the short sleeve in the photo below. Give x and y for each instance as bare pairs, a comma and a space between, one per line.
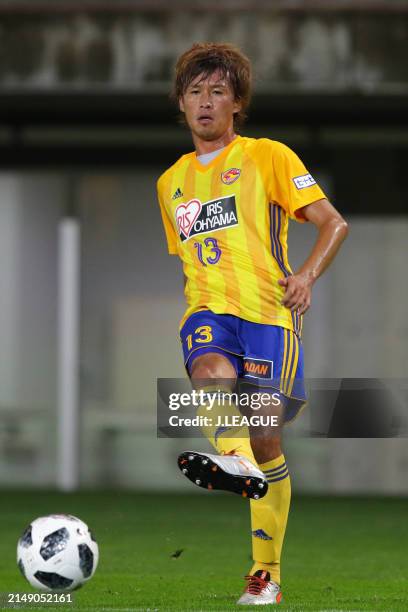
292, 186
168, 226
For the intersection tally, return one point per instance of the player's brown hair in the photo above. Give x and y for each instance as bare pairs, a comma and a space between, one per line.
206, 58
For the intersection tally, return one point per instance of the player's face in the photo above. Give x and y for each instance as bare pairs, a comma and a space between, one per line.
209, 106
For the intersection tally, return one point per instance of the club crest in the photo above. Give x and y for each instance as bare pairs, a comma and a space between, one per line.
230, 176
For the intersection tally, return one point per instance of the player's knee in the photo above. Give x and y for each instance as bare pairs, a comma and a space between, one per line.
212, 365
266, 448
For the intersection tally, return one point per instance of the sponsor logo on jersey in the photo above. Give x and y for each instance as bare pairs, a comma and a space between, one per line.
258, 368
186, 215
260, 533
196, 218
177, 194
230, 176
306, 180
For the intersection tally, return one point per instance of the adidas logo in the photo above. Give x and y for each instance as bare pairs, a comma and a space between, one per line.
260, 533
177, 194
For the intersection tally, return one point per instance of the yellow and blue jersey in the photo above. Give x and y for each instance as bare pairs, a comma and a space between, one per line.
228, 222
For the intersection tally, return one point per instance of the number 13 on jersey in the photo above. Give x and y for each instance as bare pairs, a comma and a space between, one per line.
209, 255
201, 335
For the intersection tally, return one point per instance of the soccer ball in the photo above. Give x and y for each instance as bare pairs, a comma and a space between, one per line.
57, 553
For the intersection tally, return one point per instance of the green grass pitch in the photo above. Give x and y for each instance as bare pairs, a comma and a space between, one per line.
339, 554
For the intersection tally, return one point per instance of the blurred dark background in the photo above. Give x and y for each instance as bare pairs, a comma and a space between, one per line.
87, 83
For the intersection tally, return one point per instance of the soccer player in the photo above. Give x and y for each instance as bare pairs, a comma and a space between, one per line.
225, 209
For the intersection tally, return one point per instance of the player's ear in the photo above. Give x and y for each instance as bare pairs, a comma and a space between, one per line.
237, 105
181, 104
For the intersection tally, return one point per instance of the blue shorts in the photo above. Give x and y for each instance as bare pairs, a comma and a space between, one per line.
263, 355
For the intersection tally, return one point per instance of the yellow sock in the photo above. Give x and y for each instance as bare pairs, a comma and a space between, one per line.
232, 439
269, 516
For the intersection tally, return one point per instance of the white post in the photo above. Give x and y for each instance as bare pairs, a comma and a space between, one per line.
68, 354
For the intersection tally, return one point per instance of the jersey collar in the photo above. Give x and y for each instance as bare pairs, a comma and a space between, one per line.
204, 167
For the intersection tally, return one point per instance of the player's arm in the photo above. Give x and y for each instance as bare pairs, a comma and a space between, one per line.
332, 230
171, 235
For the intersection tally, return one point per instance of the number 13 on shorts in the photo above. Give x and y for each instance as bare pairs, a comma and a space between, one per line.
201, 335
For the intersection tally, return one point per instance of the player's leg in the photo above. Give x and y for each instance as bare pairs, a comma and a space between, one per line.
282, 351
234, 469
269, 514
212, 361
214, 372
269, 517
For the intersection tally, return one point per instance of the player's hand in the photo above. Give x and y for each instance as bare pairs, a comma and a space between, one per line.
298, 294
